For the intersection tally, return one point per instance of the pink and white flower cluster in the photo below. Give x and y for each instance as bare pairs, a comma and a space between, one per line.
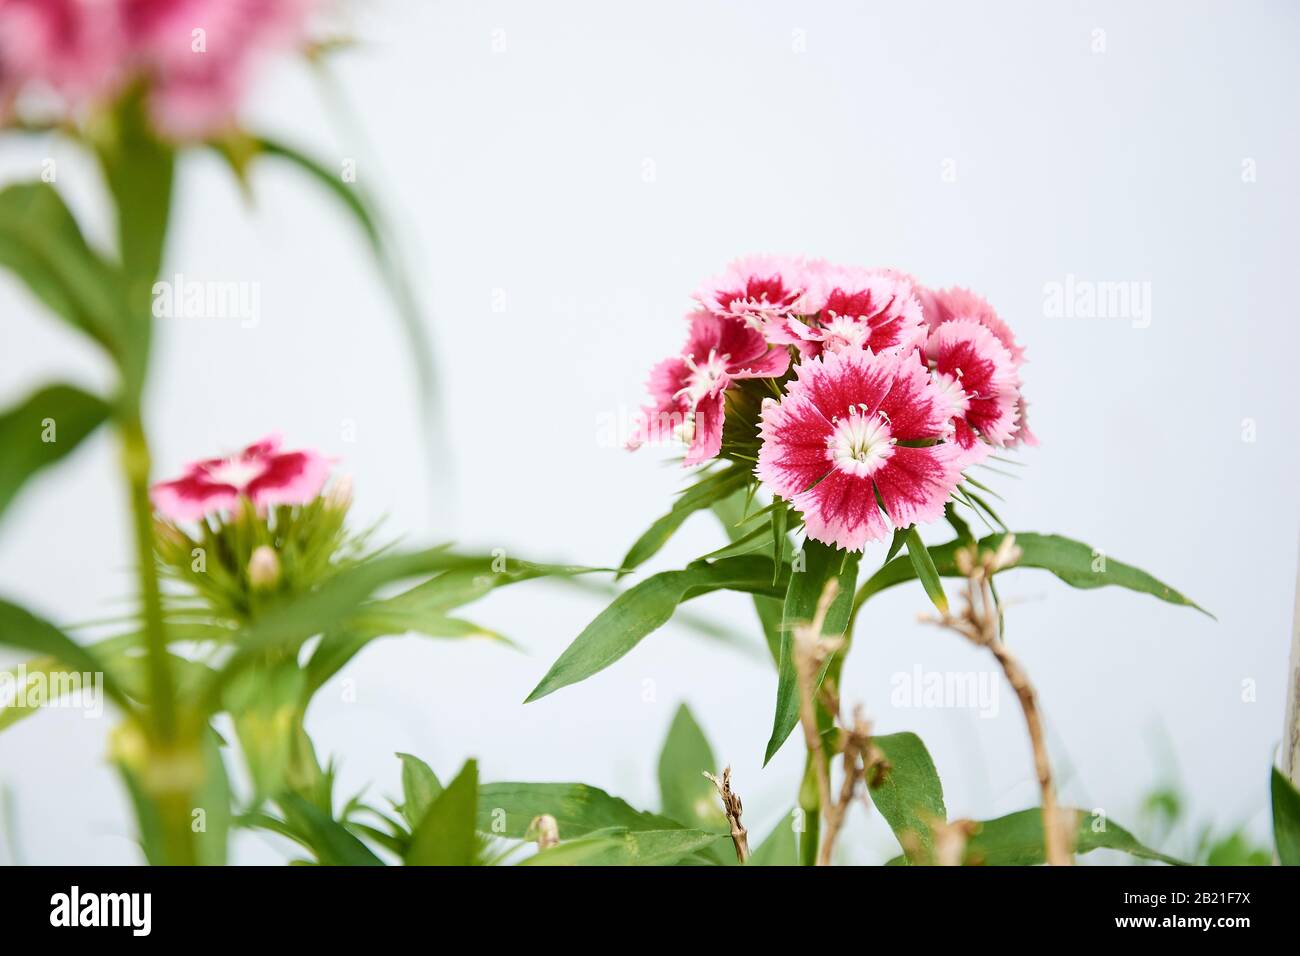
195, 56
879, 393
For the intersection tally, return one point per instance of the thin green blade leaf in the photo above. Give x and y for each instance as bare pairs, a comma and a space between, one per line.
712, 488
1077, 564
925, 570
780, 847
822, 563
643, 609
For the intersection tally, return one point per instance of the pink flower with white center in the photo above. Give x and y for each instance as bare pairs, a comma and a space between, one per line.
688, 389
943, 305
978, 378
199, 54
859, 309
261, 473
763, 291
857, 430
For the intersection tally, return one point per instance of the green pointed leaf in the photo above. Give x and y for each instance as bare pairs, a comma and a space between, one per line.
41, 243
780, 847
1017, 840
619, 847
507, 809
712, 488
780, 519
644, 608
910, 797
42, 429
329, 841
1286, 819
822, 563
925, 570
1071, 561
420, 787
730, 512
445, 836
686, 795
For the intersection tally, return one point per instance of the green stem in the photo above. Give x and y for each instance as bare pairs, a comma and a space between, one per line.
810, 803
162, 695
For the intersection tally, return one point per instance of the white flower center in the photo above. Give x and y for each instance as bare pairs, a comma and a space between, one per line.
860, 443
956, 397
238, 472
704, 376
843, 332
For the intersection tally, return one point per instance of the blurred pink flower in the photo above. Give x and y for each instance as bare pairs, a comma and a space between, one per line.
73, 48
195, 56
687, 389
199, 54
856, 431
261, 472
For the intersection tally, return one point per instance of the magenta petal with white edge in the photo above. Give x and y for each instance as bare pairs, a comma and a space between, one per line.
261, 473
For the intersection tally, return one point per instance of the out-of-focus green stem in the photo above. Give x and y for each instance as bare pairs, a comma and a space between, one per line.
136, 464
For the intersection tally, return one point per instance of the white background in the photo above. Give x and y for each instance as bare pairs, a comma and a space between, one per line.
818, 129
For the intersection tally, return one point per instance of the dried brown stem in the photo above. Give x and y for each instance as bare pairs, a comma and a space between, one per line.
731, 806
860, 756
978, 623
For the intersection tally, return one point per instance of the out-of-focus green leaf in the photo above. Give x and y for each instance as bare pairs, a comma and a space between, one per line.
213, 798
329, 840
1017, 840
644, 608
910, 797
780, 847
620, 847
49, 424
138, 168
445, 836
420, 787
925, 570
21, 629
1286, 819
42, 245
686, 795
266, 706
712, 488
423, 610
507, 809
822, 564
1071, 561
